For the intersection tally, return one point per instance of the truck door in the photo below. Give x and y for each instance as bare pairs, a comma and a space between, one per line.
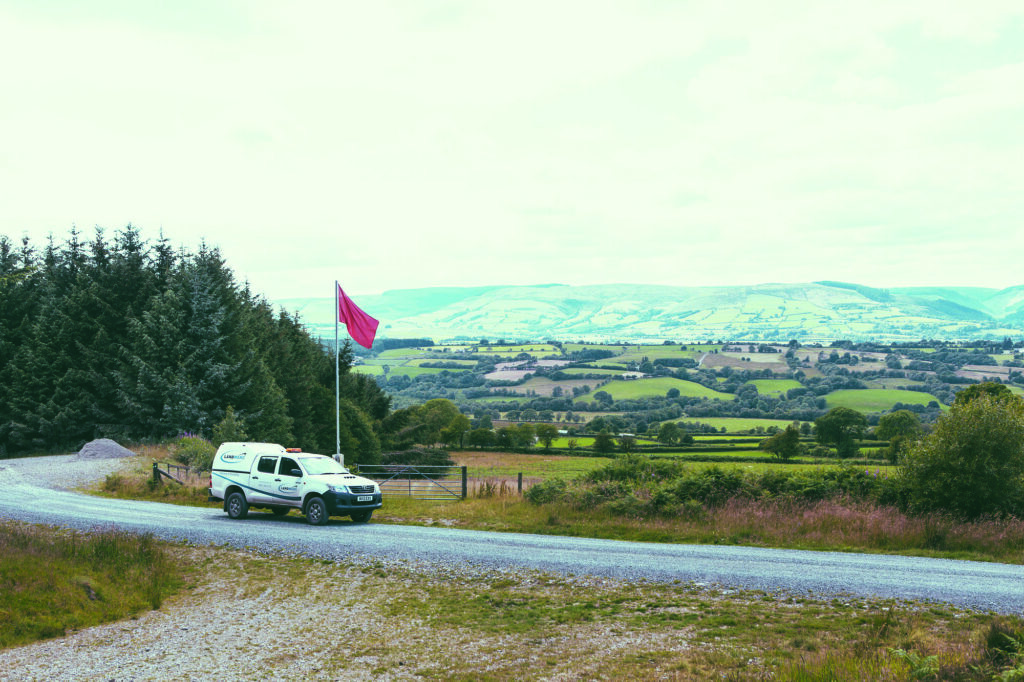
288, 479
262, 481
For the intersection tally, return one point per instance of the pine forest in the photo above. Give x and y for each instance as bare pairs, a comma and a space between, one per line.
119, 337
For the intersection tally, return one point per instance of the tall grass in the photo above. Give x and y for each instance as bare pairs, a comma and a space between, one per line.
138, 484
54, 580
855, 524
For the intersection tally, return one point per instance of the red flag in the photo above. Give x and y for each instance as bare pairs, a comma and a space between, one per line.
361, 326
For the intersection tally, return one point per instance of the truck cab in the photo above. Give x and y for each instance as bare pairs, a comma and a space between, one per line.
268, 476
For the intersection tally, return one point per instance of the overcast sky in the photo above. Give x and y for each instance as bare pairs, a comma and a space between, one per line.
428, 143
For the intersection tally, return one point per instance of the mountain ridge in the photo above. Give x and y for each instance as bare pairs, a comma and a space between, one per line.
808, 312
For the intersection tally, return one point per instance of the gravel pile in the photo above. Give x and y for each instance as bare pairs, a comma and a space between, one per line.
103, 448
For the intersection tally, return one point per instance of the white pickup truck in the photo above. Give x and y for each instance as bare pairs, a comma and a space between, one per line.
267, 476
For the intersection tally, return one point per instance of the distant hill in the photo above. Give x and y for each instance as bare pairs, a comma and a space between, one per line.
818, 311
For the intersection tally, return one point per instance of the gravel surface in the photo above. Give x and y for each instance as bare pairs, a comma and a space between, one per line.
979, 585
59, 472
36, 491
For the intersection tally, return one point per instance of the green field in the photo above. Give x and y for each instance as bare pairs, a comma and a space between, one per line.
543, 386
747, 452
413, 372
613, 362
876, 399
402, 353
503, 399
535, 349
659, 386
372, 370
652, 353
761, 467
892, 383
735, 424
774, 386
756, 357
469, 364
560, 464
572, 371
581, 441
574, 347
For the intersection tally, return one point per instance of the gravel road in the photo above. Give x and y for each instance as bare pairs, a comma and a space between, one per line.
33, 492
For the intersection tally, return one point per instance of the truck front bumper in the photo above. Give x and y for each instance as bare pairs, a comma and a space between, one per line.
340, 504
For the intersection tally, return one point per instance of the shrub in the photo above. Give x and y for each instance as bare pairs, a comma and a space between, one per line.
637, 468
629, 506
820, 452
230, 429
545, 492
972, 464
635, 485
195, 452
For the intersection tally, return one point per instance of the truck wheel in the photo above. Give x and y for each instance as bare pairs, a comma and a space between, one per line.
237, 505
363, 516
316, 511
280, 511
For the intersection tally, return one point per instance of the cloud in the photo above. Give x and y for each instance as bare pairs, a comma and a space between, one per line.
405, 144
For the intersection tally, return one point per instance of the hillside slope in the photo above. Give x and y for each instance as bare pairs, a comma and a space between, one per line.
807, 312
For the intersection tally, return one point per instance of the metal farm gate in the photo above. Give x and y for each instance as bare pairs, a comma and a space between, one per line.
418, 482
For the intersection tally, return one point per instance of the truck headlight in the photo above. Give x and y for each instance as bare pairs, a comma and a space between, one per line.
338, 488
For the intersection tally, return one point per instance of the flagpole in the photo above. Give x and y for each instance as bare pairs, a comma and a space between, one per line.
337, 375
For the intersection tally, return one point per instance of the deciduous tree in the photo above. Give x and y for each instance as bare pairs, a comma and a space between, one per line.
972, 463
840, 427
785, 444
546, 434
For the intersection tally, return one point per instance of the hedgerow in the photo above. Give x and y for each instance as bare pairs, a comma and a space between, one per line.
638, 486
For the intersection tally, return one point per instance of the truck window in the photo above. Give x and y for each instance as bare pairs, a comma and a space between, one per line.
287, 465
267, 465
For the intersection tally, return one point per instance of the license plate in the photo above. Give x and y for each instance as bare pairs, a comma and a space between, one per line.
364, 498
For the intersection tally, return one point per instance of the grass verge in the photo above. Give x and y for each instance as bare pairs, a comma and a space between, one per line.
827, 525
52, 581
136, 483
837, 524
405, 621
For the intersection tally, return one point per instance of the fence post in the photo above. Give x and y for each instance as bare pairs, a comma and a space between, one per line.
156, 473
520, 482
465, 482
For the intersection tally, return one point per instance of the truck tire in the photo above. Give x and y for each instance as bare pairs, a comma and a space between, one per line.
316, 511
236, 505
280, 511
362, 516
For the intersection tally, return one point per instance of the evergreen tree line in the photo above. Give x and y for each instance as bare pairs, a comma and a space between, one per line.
140, 341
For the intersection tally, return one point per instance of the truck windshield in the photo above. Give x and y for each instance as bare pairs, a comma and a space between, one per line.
315, 466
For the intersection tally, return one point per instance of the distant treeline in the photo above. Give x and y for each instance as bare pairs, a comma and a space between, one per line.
381, 345
134, 340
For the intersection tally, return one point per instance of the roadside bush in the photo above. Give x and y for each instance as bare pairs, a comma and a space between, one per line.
972, 464
545, 492
601, 493
714, 486
637, 468
630, 507
636, 486
195, 452
419, 457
